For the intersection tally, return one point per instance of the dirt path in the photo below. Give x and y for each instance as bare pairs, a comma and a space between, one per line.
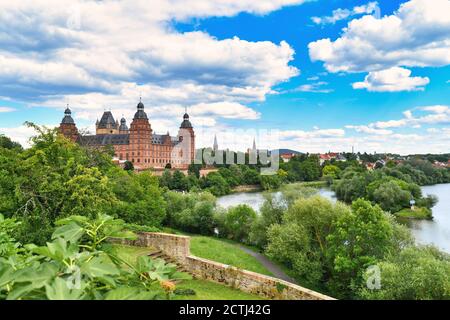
272, 267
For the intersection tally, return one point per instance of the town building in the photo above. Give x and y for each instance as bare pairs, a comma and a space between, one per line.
137, 143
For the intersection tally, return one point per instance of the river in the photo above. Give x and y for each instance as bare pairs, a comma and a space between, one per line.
435, 232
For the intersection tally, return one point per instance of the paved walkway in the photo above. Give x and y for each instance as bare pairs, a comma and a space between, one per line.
272, 267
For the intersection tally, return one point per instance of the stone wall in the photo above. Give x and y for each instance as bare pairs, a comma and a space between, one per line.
178, 247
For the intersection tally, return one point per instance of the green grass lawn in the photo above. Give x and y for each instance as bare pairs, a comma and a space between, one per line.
227, 252
207, 290
204, 290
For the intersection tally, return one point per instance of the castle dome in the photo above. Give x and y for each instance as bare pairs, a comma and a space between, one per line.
140, 113
123, 125
186, 123
67, 117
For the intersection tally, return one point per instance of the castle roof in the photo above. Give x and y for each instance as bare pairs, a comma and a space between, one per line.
140, 113
186, 123
107, 120
67, 117
105, 139
123, 125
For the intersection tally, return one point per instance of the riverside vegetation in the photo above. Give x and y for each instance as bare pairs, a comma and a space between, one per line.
52, 191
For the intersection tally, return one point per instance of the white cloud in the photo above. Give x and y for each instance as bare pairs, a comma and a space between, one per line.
20, 134
370, 130
435, 115
416, 35
342, 14
317, 87
392, 80
97, 55
6, 109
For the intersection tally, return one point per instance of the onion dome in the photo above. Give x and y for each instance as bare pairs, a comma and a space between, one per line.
67, 117
123, 125
140, 114
186, 123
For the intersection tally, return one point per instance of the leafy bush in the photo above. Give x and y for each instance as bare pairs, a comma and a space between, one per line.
417, 273
77, 264
191, 212
237, 222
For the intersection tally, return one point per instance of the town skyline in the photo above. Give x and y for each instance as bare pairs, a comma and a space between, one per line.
368, 75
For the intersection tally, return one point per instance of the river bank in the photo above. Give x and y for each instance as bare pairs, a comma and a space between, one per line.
436, 231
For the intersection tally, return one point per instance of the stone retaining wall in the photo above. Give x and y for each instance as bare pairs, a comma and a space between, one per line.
178, 247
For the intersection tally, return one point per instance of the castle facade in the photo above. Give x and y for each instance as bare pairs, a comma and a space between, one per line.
138, 143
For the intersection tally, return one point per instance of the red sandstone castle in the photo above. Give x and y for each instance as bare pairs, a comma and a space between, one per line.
138, 143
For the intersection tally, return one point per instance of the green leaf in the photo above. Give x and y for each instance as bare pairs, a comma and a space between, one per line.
99, 267
71, 232
127, 293
60, 290
6, 274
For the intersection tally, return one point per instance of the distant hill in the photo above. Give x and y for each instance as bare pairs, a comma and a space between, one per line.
287, 151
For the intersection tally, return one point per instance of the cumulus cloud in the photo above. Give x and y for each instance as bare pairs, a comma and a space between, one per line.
429, 115
416, 35
98, 55
392, 80
342, 14
21, 134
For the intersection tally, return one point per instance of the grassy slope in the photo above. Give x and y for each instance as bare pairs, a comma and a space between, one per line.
224, 251
418, 213
205, 290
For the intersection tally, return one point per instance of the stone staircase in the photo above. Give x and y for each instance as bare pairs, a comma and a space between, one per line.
161, 255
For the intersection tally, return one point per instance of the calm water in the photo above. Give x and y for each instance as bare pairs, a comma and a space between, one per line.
435, 232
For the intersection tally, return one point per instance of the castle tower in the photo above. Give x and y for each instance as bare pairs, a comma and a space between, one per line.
123, 128
67, 126
140, 138
186, 136
107, 124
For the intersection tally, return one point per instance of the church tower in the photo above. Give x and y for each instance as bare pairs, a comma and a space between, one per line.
140, 138
68, 127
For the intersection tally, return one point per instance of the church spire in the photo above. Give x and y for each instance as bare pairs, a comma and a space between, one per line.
215, 145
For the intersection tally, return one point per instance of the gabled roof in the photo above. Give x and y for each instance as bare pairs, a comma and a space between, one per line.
105, 139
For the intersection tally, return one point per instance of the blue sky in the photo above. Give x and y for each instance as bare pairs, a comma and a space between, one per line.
326, 75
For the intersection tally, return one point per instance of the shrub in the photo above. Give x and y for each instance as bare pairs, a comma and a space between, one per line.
237, 222
417, 273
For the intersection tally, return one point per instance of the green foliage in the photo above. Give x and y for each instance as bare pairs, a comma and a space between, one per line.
331, 171
140, 200
191, 212
417, 273
237, 222
270, 182
7, 143
8, 244
128, 166
216, 184
300, 241
77, 264
391, 188
361, 238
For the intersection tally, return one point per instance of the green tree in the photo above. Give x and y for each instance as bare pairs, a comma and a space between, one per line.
417, 273
361, 238
331, 171
238, 221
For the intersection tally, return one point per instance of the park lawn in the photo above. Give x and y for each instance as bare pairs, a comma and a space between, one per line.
204, 290
208, 290
226, 252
